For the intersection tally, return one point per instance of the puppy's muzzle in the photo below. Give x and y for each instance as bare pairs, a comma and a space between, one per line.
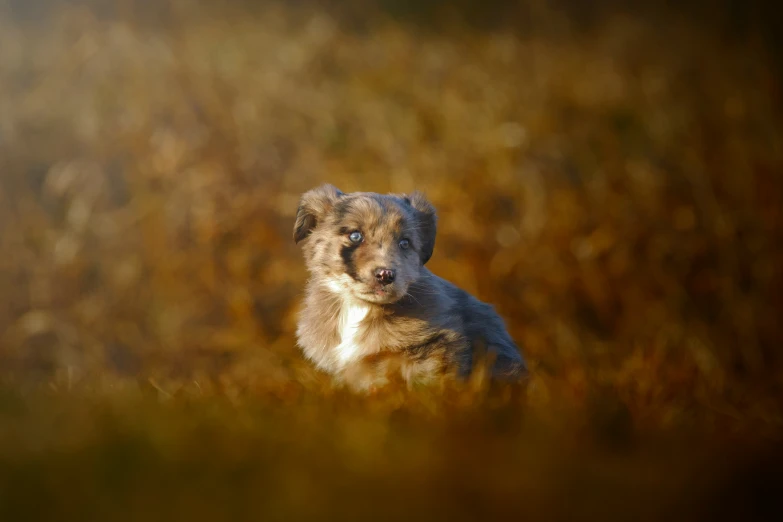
384, 276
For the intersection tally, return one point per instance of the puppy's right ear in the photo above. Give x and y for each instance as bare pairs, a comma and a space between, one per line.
313, 207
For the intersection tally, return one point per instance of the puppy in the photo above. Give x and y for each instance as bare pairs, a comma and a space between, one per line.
373, 314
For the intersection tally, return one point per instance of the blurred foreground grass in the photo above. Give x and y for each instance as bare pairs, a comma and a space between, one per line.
614, 189
465, 456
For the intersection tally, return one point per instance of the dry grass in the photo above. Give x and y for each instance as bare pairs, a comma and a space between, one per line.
615, 191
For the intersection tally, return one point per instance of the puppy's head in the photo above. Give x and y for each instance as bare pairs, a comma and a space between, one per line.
365, 245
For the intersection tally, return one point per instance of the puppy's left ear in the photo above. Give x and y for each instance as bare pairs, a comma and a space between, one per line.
427, 221
313, 207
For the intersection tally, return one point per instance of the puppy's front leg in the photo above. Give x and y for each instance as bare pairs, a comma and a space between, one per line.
373, 372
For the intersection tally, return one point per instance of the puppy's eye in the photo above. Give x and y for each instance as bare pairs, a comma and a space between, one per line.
404, 244
355, 237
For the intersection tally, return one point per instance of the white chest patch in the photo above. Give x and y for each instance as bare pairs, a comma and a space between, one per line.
350, 319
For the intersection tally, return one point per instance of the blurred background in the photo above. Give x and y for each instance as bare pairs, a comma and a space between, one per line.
608, 174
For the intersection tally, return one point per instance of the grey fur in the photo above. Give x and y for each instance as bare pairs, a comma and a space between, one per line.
366, 334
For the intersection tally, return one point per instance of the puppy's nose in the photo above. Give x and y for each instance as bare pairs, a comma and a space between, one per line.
384, 276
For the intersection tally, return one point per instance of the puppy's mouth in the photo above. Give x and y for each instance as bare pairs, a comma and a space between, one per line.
370, 292
381, 294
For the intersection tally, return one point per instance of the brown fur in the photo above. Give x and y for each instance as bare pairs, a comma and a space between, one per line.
368, 334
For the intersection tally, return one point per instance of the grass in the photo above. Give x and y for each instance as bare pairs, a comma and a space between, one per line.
612, 187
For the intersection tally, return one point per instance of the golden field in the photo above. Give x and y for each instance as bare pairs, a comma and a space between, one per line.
613, 187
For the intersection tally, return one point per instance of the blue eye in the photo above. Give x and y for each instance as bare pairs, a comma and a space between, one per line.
404, 244
356, 237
